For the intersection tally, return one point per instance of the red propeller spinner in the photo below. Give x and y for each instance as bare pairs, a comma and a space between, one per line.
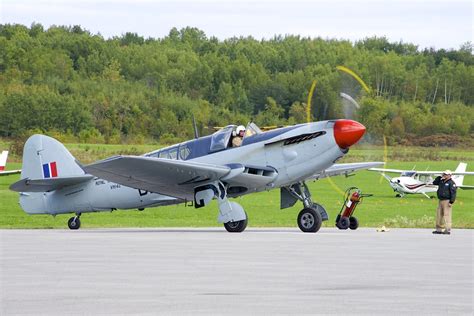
348, 132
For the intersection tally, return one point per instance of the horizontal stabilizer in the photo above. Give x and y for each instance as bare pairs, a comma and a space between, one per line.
49, 184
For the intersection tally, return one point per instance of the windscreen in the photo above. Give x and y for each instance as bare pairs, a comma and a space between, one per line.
220, 139
252, 129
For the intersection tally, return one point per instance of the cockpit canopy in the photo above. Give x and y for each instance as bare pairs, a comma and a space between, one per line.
252, 129
220, 140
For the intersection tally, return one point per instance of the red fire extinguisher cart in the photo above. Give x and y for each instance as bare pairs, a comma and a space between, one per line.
346, 219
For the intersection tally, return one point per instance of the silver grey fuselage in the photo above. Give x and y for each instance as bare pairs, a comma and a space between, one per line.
293, 163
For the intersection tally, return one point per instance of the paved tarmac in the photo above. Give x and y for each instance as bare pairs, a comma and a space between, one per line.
212, 272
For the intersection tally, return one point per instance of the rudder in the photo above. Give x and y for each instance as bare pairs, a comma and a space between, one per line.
3, 160
459, 179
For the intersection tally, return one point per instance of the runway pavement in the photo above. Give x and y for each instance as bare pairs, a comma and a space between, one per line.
212, 272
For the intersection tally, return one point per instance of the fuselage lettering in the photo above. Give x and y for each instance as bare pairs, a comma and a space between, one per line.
142, 192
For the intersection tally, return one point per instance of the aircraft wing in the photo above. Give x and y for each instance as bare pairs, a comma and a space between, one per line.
466, 187
388, 170
344, 169
454, 173
9, 172
174, 178
465, 173
177, 178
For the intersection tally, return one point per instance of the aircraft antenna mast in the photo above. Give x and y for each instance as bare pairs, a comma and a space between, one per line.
196, 133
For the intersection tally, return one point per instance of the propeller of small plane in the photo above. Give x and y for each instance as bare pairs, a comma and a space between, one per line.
351, 88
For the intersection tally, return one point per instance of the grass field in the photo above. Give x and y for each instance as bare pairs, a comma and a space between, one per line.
263, 208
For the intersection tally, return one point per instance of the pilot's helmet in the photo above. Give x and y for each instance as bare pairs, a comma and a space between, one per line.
239, 129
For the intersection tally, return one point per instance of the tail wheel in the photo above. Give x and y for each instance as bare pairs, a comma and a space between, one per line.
238, 226
74, 222
309, 220
353, 223
343, 223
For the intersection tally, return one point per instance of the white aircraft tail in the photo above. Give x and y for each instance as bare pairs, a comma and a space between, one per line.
459, 179
3, 160
47, 166
45, 158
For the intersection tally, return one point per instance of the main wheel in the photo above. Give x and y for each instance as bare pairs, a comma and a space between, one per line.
74, 222
353, 223
343, 223
309, 220
238, 226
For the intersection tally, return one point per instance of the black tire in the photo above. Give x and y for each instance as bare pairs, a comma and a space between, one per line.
338, 217
74, 223
343, 223
236, 227
309, 220
353, 223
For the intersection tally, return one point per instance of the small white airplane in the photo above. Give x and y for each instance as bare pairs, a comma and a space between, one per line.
3, 164
421, 182
53, 182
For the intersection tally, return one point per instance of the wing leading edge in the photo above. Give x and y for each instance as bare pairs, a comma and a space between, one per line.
344, 169
454, 173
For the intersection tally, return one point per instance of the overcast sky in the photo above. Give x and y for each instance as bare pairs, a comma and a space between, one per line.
432, 23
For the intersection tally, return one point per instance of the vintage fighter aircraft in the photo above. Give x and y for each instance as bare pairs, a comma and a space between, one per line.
421, 182
53, 182
3, 164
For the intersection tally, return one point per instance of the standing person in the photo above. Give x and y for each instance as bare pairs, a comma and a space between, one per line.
446, 195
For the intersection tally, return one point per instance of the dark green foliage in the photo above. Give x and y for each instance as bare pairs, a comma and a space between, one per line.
67, 81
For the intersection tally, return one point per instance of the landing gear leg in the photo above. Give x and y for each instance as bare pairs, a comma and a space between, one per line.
74, 222
231, 214
312, 215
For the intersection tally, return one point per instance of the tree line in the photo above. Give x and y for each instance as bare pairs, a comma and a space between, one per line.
78, 86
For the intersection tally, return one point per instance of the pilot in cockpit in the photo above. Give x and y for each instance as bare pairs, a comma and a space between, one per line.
238, 136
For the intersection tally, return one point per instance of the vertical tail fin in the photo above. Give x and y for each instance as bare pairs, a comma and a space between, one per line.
3, 160
45, 162
458, 179
44, 157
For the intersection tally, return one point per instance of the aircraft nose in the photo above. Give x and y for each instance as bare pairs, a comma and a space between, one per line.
348, 132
